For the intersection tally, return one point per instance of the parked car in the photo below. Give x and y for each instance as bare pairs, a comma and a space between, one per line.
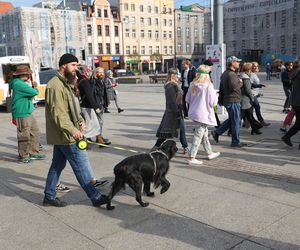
122, 72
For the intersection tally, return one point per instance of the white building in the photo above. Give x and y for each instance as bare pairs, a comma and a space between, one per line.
43, 34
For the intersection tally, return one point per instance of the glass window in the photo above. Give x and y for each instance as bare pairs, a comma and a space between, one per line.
127, 33
106, 30
142, 33
156, 21
108, 48
116, 31
99, 30
90, 47
156, 34
133, 33
100, 48
134, 51
105, 13
141, 8
142, 20
127, 50
143, 50
171, 50
149, 21
133, 7
89, 30
117, 46
156, 10
149, 9
165, 50
170, 34
126, 6
149, 34
99, 12
157, 49
165, 35
150, 50
165, 22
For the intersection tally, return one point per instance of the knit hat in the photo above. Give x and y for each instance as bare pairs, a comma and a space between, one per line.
67, 58
22, 70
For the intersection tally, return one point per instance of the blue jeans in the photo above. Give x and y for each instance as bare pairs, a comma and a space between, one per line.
256, 106
100, 119
80, 164
182, 136
233, 122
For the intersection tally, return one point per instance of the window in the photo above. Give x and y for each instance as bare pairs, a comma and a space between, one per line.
133, 7
165, 34
126, 6
133, 19
149, 9
149, 34
143, 50
133, 33
127, 33
157, 49
105, 14
142, 33
188, 47
156, 21
195, 32
141, 8
165, 22
99, 12
170, 50
179, 47
170, 34
90, 46
142, 21
179, 31
100, 48
99, 30
187, 32
165, 50
178, 17
156, 10
134, 51
156, 34
89, 30
117, 46
169, 10
170, 22
106, 30
126, 19
150, 50
116, 31
127, 50
149, 21
108, 48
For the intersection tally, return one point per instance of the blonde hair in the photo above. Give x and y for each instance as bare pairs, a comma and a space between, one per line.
255, 64
202, 77
172, 76
247, 67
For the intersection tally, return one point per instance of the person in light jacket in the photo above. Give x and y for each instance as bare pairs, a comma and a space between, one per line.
202, 98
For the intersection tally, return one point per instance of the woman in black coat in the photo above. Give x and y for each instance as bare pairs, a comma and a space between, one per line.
169, 125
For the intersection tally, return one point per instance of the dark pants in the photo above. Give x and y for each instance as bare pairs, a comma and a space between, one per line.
248, 114
184, 104
256, 106
287, 92
293, 130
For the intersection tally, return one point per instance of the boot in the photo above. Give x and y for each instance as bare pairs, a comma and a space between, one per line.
120, 110
101, 140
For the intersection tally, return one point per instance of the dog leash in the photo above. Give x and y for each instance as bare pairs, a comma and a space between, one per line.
83, 144
154, 161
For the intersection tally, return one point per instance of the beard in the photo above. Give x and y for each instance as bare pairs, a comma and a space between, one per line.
70, 75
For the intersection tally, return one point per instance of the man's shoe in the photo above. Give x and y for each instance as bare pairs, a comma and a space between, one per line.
99, 183
287, 141
101, 201
120, 110
62, 188
215, 136
37, 157
55, 203
25, 160
283, 129
106, 111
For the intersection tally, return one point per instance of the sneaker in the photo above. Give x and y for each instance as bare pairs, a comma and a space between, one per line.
100, 183
215, 136
37, 157
25, 160
101, 201
195, 162
62, 188
213, 155
287, 141
55, 203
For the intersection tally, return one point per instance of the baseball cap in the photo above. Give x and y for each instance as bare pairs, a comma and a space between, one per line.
233, 59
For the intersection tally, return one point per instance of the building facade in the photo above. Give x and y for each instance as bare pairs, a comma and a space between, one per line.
254, 28
104, 34
148, 30
43, 34
193, 33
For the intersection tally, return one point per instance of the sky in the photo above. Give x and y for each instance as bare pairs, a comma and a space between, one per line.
28, 3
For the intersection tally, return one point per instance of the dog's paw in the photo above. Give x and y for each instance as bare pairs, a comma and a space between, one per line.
164, 189
110, 207
151, 194
144, 204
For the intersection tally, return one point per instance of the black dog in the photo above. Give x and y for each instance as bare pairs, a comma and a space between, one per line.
143, 168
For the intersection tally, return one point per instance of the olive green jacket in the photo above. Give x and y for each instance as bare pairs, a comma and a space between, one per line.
62, 112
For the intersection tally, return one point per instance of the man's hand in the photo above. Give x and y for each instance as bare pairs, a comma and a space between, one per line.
82, 126
78, 135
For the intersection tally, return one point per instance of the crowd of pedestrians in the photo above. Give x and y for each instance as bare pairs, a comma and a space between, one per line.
75, 103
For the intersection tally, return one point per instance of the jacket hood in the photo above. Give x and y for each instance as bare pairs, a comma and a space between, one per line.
244, 76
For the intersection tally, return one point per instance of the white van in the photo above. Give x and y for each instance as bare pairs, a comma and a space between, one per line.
8, 65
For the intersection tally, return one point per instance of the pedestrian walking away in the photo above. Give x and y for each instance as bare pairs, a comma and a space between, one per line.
64, 125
